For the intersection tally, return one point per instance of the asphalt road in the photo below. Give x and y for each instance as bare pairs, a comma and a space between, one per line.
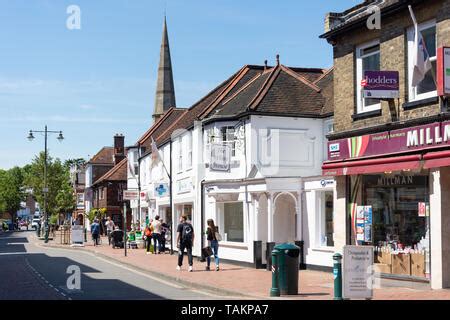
28, 271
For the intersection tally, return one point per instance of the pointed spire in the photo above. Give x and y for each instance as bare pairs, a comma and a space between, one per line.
165, 90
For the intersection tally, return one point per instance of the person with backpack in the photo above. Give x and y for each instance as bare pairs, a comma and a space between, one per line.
213, 237
148, 237
95, 231
185, 240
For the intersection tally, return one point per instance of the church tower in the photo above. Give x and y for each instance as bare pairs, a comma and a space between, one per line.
165, 90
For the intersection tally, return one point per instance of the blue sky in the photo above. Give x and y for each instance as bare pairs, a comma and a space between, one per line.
98, 81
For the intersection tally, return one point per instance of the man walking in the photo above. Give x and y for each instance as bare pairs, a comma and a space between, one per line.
185, 240
95, 231
109, 229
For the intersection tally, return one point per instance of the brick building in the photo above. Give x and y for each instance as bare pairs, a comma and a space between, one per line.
391, 155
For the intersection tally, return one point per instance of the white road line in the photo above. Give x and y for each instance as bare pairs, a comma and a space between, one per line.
13, 253
45, 280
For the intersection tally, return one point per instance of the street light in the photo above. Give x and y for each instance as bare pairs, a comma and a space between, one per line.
45, 189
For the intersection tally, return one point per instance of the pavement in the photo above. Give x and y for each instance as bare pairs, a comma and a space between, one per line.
238, 281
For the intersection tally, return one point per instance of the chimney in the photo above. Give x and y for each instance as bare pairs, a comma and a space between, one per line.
265, 65
332, 20
119, 148
278, 59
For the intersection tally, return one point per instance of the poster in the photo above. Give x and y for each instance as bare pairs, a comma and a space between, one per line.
422, 209
364, 223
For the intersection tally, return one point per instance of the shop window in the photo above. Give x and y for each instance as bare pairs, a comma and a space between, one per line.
367, 59
395, 221
427, 87
326, 219
231, 221
187, 211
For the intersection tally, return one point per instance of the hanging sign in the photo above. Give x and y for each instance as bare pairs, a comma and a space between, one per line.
443, 71
381, 84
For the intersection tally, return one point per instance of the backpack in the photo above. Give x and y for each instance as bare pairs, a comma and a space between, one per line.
187, 233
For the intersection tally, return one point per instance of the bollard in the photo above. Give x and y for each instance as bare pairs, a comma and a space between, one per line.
337, 275
275, 290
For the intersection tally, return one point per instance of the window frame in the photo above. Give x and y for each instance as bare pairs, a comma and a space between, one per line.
220, 219
189, 151
225, 135
180, 155
412, 91
360, 107
321, 219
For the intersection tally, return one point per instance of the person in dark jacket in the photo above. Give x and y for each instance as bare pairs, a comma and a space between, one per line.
213, 242
95, 231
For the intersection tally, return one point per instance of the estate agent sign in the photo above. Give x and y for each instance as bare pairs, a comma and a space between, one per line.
358, 272
381, 84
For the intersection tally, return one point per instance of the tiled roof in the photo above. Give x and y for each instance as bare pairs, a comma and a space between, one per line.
169, 117
117, 173
104, 156
281, 90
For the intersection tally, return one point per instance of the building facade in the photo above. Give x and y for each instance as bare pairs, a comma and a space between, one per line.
390, 157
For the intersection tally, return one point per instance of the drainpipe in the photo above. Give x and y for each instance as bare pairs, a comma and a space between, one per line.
172, 228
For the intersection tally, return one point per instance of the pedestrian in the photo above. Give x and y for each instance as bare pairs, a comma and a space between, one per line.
109, 229
104, 229
164, 230
148, 237
213, 242
95, 231
156, 235
185, 240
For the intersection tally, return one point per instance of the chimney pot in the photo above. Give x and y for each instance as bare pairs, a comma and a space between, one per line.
278, 59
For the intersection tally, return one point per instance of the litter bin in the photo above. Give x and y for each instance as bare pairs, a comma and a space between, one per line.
288, 266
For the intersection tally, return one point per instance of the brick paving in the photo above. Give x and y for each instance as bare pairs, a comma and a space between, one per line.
238, 280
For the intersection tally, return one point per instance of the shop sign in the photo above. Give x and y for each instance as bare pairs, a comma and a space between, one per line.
143, 196
358, 272
325, 183
390, 142
220, 157
443, 71
381, 84
130, 195
184, 185
80, 200
77, 234
162, 189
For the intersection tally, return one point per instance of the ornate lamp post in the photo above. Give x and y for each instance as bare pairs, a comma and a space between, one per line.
45, 189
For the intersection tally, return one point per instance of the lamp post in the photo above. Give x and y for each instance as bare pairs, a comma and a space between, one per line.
45, 189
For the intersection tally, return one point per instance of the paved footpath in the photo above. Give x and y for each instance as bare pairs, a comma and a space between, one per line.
236, 280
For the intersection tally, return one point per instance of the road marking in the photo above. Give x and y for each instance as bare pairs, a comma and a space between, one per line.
13, 253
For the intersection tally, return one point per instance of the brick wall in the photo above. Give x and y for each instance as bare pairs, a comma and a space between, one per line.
393, 47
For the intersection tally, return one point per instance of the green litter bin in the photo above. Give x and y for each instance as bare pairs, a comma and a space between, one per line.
288, 266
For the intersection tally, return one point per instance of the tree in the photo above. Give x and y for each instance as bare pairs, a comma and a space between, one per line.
11, 191
60, 195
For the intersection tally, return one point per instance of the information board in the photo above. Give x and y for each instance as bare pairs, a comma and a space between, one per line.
358, 272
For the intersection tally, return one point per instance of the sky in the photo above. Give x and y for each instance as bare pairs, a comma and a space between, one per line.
100, 80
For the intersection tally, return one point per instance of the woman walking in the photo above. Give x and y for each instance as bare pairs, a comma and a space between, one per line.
148, 237
213, 241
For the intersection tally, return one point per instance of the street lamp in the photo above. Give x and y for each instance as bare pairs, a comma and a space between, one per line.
45, 189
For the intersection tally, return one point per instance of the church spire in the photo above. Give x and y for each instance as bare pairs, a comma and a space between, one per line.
165, 90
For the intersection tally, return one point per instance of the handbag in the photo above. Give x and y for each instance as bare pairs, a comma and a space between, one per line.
218, 236
207, 251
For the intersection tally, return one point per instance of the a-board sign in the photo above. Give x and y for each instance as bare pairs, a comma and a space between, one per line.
358, 272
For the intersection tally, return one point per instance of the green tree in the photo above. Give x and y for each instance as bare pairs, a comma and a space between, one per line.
11, 191
60, 195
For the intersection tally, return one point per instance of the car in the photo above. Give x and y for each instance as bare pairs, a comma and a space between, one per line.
35, 223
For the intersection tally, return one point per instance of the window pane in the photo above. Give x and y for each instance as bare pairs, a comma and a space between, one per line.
429, 35
234, 221
370, 50
427, 84
371, 63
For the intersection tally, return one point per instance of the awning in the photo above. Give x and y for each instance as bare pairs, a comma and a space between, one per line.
344, 168
436, 159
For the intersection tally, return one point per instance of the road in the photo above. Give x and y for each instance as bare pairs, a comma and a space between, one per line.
29, 271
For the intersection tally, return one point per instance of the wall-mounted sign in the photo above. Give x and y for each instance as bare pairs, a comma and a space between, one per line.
220, 157
358, 272
130, 195
80, 200
381, 84
443, 71
162, 189
184, 185
364, 223
389, 142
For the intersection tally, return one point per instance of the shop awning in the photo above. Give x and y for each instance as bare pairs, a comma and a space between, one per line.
437, 159
344, 168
